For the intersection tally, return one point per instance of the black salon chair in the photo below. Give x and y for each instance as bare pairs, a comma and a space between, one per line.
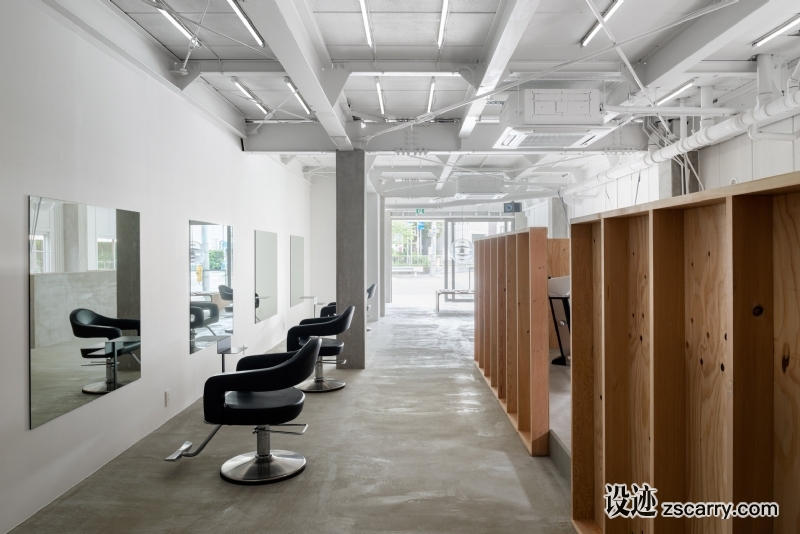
329, 309
88, 324
202, 314
370, 294
330, 350
259, 393
226, 293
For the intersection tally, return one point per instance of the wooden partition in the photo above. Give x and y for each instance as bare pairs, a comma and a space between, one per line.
685, 362
512, 325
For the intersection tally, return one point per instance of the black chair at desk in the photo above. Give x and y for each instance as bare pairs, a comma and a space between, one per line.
259, 393
88, 324
329, 351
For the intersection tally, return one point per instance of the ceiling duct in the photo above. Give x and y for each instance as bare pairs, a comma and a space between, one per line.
480, 188
552, 118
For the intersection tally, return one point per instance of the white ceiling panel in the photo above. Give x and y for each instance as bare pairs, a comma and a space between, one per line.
405, 28
404, 6
429, 52
350, 52
336, 5
474, 6
470, 54
467, 29
342, 29
163, 30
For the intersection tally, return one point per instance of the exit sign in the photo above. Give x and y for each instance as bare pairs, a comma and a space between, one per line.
420, 211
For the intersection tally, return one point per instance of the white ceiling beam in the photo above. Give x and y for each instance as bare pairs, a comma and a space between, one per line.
739, 69
108, 28
290, 34
508, 31
701, 38
447, 169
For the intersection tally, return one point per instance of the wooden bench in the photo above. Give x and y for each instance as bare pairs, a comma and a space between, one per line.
440, 292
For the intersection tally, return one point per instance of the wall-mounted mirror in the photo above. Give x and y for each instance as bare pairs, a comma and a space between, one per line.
84, 292
297, 270
266, 270
210, 283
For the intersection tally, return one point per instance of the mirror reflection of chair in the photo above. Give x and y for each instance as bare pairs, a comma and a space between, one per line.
330, 350
202, 314
370, 294
88, 324
226, 293
259, 393
258, 303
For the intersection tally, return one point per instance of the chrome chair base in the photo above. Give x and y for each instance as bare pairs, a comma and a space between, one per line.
316, 385
101, 388
251, 469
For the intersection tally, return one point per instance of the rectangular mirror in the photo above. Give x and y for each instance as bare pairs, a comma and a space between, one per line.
297, 270
84, 291
210, 283
266, 269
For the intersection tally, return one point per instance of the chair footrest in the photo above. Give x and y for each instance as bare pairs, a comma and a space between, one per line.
334, 361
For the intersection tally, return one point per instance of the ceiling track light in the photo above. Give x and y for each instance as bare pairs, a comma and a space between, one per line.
788, 25
442, 23
366, 21
250, 96
178, 24
296, 94
380, 96
596, 27
246, 21
676, 92
430, 97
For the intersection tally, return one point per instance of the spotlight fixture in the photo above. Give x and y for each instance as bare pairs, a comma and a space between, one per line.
430, 97
380, 96
366, 21
246, 21
296, 94
791, 23
676, 92
596, 26
442, 23
178, 24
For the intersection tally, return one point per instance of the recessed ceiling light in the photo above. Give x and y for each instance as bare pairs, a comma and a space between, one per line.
676, 92
246, 21
366, 21
441, 22
786, 26
380, 96
296, 93
596, 26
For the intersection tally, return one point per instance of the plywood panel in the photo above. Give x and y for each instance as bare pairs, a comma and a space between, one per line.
786, 361
638, 318
750, 224
557, 265
583, 370
599, 366
668, 369
478, 322
499, 372
617, 374
524, 339
511, 324
709, 392
540, 350
487, 303
491, 357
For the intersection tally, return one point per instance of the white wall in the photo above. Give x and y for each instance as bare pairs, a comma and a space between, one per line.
323, 238
81, 125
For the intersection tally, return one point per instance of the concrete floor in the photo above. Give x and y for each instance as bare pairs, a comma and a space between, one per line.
414, 443
561, 402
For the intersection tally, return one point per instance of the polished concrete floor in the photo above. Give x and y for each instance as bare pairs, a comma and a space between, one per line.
415, 443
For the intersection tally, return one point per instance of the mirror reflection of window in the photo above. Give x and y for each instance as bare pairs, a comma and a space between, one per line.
84, 292
297, 270
210, 283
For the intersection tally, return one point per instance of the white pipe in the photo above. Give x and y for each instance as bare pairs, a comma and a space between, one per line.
755, 135
468, 202
764, 79
731, 127
706, 100
709, 110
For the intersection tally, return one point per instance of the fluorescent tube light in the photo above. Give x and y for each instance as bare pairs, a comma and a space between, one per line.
243, 89
366, 22
596, 27
246, 21
791, 23
430, 97
296, 94
380, 96
442, 23
676, 92
177, 24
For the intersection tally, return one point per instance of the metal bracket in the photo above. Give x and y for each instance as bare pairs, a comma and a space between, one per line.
305, 427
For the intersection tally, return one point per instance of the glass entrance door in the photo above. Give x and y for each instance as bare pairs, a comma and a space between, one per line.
459, 272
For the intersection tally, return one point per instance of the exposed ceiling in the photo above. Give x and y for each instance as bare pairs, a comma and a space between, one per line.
324, 49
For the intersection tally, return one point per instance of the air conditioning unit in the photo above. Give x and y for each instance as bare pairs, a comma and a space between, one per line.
552, 118
480, 188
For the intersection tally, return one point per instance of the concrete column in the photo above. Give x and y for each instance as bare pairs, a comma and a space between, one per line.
670, 176
520, 220
128, 277
557, 222
76, 253
386, 258
373, 253
351, 264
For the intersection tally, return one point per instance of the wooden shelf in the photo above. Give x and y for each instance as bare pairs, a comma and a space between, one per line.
685, 343
512, 325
